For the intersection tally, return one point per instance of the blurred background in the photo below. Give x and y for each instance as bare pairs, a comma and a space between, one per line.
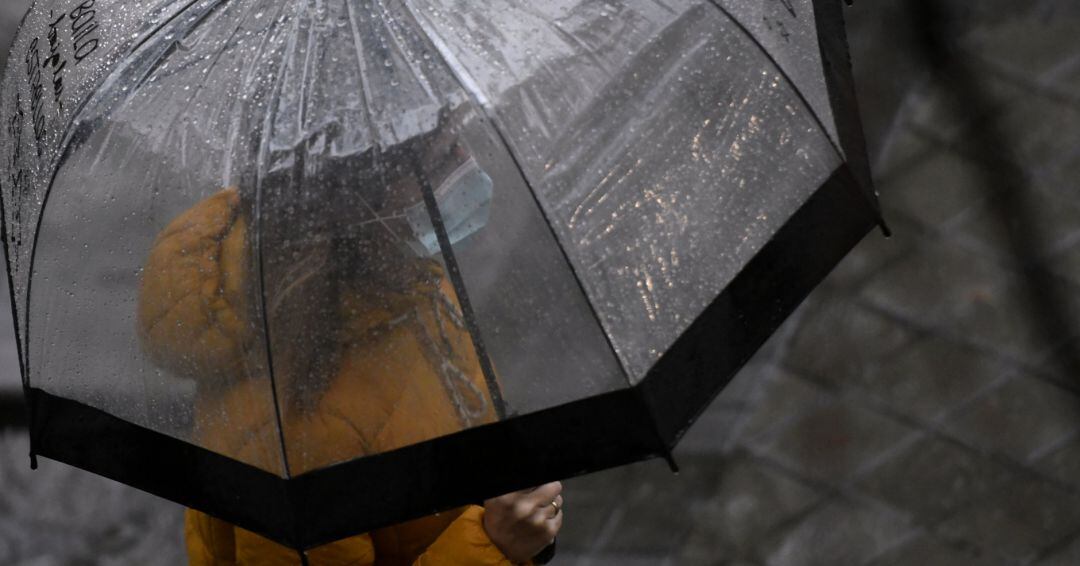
921, 407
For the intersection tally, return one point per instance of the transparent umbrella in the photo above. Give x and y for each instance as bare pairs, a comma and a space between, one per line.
316, 267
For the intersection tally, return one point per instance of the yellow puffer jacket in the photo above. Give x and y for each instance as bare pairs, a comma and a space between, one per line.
194, 320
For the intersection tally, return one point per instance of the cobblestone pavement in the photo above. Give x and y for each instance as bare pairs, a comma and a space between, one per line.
910, 412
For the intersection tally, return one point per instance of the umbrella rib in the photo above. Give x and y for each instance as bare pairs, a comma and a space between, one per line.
358, 48
469, 84
783, 74
72, 133
162, 26
465, 79
398, 36
364, 87
257, 227
844, 158
24, 375
257, 235
462, 293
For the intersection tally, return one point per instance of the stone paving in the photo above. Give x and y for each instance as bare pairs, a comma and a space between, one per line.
910, 412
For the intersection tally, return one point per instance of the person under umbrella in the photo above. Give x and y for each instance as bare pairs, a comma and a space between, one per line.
372, 352
669, 191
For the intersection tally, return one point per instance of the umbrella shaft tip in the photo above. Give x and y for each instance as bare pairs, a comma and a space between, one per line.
885, 230
670, 459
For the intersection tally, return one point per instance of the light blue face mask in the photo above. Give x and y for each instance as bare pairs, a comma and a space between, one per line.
464, 200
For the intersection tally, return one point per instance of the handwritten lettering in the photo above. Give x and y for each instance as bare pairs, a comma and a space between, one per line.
17, 175
15, 129
84, 27
57, 63
778, 27
790, 7
37, 94
18, 190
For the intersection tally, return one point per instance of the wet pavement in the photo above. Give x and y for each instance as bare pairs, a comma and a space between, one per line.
912, 411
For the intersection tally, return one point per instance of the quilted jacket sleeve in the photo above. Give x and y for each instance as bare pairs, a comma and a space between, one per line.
464, 543
212, 542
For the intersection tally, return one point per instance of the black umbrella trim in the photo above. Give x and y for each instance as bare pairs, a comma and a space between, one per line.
588, 435
709, 353
840, 83
316, 508
91, 439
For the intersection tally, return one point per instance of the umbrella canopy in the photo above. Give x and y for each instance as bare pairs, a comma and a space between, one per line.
497, 243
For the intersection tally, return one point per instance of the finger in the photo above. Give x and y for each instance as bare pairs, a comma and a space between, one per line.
556, 504
550, 511
554, 524
544, 494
